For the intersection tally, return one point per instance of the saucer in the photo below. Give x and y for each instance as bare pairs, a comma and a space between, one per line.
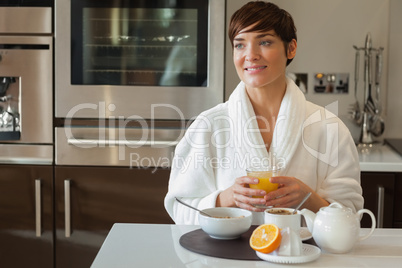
309, 253
305, 234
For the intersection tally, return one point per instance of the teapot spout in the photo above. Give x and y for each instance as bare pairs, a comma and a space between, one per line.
309, 216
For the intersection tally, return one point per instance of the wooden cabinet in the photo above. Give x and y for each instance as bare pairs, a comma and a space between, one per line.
379, 197
26, 216
59, 216
398, 201
98, 197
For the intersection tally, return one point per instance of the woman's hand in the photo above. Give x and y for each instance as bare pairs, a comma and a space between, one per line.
290, 193
240, 195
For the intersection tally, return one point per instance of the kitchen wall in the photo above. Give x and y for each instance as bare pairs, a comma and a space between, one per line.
327, 31
394, 98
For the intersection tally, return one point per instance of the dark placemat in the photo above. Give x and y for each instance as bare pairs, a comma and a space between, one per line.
200, 242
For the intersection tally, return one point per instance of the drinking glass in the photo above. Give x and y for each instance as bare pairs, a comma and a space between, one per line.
263, 174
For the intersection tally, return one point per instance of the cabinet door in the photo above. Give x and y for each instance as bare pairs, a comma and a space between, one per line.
26, 216
98, 197
398, 201
378, 193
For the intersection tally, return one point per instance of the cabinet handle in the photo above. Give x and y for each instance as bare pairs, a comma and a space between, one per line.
38, 208
380, 208
67, 212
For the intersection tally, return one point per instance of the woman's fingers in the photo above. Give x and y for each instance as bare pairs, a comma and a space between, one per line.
289, 200
243, 195
291, 192
241, 187
248, 203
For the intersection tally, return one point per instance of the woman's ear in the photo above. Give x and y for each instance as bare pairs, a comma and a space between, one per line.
292, 47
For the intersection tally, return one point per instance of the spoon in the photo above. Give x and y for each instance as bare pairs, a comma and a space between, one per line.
200, 211
301, 203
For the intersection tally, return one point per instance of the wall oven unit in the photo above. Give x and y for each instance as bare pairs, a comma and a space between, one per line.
26, 85
128, 77
128, 56
26, 134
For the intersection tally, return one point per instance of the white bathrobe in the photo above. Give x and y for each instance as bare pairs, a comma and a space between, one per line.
309, 143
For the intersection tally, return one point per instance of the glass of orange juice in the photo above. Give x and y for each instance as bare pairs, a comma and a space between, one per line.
263, 174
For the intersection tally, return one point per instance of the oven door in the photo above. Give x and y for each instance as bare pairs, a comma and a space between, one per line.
150, 59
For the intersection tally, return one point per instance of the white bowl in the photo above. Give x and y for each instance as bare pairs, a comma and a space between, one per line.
237, 223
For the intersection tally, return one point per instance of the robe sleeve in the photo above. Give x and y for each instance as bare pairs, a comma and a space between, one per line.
192, 179
342, 170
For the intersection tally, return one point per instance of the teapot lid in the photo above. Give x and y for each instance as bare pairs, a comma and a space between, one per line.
335, 207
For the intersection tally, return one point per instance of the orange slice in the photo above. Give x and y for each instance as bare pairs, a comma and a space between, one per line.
266, 238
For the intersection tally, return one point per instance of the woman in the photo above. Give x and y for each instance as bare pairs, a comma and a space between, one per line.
265, 119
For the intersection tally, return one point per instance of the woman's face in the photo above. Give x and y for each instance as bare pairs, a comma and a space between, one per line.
260, 58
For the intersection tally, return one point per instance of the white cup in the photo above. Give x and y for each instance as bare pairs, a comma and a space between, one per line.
293, 221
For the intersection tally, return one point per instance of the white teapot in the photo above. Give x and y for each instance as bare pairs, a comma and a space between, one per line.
335, 228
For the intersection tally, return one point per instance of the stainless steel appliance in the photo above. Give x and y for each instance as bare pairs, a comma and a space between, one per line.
123, 67
128, 75
149, 59
26, 83
26, 134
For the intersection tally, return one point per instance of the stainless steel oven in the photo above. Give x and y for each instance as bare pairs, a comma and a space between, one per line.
128, 77
154, 59
26, 85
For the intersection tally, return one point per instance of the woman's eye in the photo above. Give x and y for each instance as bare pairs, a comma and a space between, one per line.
239, 46
265, 43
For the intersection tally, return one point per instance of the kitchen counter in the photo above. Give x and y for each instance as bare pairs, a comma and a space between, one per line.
380, 159
157, 245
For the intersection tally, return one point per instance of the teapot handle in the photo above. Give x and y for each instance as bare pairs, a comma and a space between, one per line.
373, 222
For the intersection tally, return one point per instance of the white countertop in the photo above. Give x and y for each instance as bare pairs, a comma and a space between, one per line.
380, 159
157, 245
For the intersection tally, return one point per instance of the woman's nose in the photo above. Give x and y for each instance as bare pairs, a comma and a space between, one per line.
252, 54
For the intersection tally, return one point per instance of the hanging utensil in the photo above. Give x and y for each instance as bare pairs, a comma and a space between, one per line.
378, 74
377, 125
355, 111
370, 106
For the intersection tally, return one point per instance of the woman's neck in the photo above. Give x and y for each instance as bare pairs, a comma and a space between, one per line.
266, 103
267, 100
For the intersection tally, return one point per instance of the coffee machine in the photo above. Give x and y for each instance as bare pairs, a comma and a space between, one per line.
9, 109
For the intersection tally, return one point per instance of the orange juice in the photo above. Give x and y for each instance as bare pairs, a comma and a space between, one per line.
264, 183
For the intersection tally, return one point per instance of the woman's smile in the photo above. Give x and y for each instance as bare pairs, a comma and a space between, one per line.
255, 68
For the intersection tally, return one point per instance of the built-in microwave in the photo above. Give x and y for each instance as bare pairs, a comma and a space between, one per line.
154, 59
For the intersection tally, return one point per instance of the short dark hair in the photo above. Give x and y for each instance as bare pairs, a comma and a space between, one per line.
264, 16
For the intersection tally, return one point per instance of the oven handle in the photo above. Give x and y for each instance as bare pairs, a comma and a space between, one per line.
67, 208
73, 141
380, 207
38, 206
